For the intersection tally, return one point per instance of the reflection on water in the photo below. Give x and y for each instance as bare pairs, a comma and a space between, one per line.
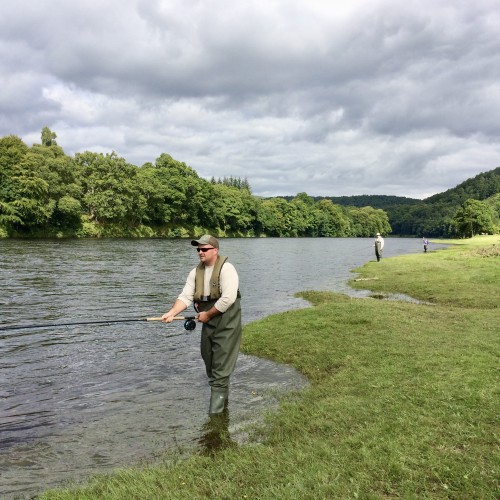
88, 398
215, 434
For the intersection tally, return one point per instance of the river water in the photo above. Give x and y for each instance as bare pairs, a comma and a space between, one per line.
82, 399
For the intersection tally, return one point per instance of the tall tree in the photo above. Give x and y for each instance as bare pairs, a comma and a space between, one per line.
330, 221
368, 221
48, 137
474, 217
109, 187
180, 197
235, 209
12, 151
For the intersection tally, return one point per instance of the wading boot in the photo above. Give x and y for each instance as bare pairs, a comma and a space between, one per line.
218, 398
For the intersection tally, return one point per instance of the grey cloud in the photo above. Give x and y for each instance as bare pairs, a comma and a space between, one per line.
368, 96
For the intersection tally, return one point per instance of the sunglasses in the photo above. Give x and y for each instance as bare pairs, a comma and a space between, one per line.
204, 249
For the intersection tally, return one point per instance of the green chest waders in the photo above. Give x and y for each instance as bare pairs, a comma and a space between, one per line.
220, 346
378, 250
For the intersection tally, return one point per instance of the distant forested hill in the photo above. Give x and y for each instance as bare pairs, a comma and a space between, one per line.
434, 215
480, 188
379, 201
375, 201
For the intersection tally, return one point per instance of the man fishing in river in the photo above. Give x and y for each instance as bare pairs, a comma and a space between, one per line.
213, 287
379, 246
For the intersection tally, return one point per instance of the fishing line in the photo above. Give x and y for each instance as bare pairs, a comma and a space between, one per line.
56, 340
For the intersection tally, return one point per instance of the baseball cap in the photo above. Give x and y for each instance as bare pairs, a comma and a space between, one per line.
206, 239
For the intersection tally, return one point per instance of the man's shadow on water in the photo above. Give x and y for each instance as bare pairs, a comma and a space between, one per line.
215, 434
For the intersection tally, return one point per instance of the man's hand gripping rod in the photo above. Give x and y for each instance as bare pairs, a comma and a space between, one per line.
189, 321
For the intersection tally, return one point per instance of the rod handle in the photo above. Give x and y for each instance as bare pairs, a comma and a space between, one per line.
175, 317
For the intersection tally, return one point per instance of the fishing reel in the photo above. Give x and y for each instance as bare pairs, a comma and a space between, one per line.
189, 324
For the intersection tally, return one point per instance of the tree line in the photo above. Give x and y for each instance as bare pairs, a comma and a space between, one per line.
46, 193
470, 208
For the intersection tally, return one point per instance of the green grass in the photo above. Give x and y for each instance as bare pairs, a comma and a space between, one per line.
465, 275
403, 400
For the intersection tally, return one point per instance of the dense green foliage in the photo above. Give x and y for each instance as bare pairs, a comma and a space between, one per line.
474, 217
480, 187
47, 193
365, 200
440, 215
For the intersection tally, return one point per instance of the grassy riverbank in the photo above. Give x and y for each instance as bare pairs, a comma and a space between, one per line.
403, 401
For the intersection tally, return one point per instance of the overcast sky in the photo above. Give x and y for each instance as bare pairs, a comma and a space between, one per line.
330, 97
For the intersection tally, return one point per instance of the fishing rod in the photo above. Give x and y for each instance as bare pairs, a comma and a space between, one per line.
189, 323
